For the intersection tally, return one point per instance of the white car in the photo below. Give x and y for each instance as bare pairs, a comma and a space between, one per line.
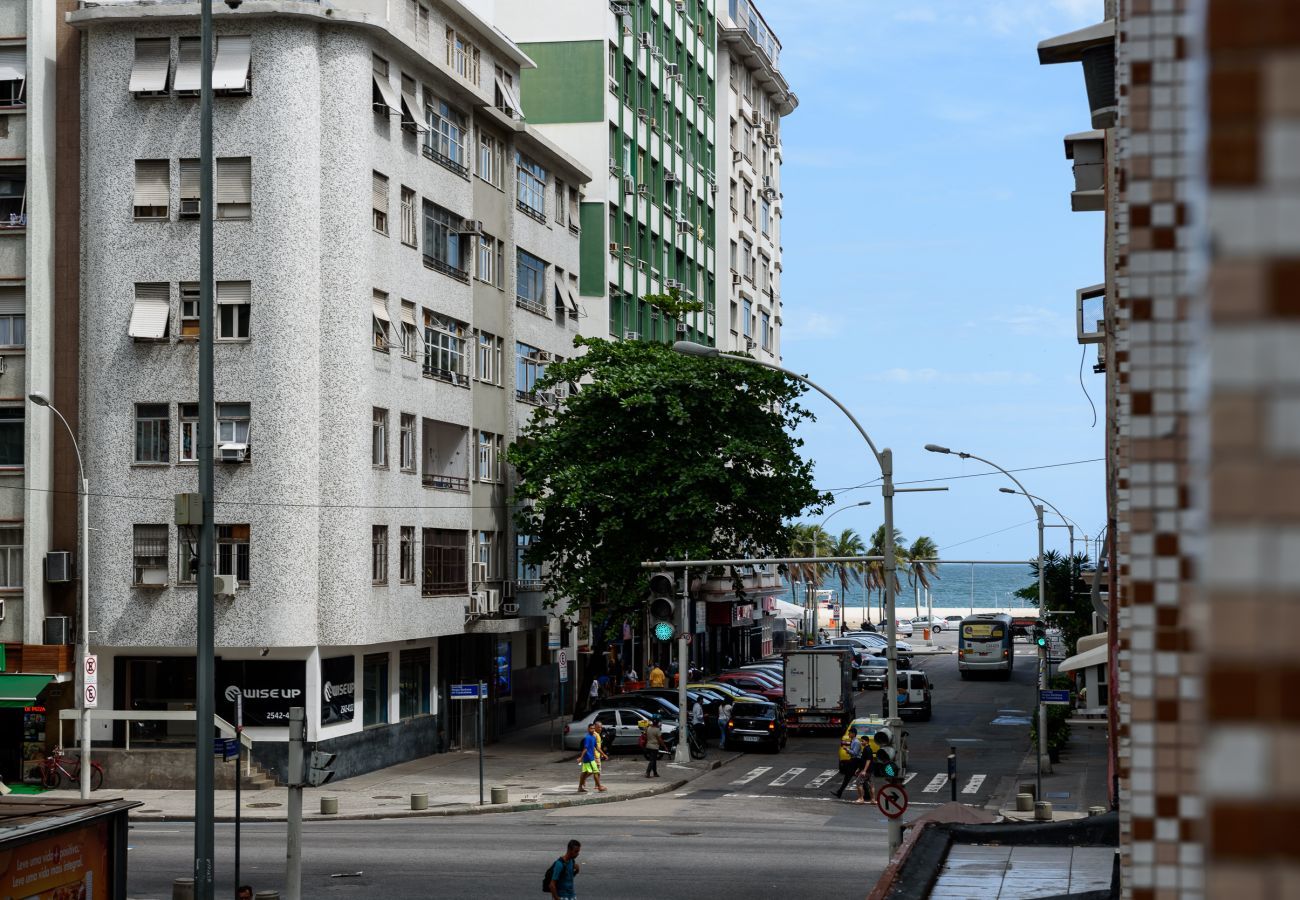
903, 627
625, 724
922, 622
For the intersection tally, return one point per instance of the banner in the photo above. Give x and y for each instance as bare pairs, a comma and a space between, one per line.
338, 689
269, 687
71, 865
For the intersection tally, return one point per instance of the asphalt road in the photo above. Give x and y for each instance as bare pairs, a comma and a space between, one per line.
729, 834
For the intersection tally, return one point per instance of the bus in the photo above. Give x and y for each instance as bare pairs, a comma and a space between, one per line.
984, 645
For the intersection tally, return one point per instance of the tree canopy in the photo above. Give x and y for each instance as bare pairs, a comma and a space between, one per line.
1066, 586
657, 456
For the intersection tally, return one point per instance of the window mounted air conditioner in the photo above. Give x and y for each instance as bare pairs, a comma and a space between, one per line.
671, 177
613, 85
681, 6
189, 209
472, 226
631, 335
701, 99
620, 9
233, 453
654, 123
672, 285
736, 155
613, 166
642, 112
681, 328
57, 630
478, 572
629, 184
643, 190
561, 392
223, 585
546, 398
613, 248
670, 70
699, 29
510, 609
646, 39
491, 601
58, 566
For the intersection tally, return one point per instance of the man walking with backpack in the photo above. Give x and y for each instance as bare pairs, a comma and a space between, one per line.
559, 877
851, 760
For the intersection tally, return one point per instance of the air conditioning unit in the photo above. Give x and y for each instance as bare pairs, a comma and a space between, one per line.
189, 209
491, 601
699, 29
613, 166
735, 278
736, 155
631, 335
223, 585
672, 284
646, 39
561, 392
683, 226
545, 398
654, 123
681, 6
620, 9
769, 138
671, 71
472, 226
478, 572
681, 328
701, 99
613, 85
57, 630
510, 609
769, 193
671, 177
233, 453
58, 566
642, 113
629, 184
643, 190
613, 248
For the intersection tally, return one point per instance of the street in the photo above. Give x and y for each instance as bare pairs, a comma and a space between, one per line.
763, 825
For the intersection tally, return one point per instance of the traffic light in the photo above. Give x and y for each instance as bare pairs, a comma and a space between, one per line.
662, 605
1040, 634
884, 755
318, 767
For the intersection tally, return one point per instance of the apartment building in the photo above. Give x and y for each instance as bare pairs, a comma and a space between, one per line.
38, 65
750, 108
396, 263
630, 89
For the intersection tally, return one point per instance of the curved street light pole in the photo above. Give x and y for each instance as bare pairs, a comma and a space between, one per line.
812, 593
1038, 514
1069, 523
41, 400
885, 459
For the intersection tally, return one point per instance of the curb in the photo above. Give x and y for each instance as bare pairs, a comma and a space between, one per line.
460, 810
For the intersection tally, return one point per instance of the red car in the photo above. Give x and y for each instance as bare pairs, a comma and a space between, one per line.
753, 684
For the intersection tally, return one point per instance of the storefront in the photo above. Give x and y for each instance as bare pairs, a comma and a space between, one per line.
23, 721
63, 850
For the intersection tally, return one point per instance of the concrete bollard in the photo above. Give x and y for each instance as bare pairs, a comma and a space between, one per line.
500, 795
1043, 811
1024, 802
329, 806
183, 889
1096, 810
419, 801
1028, 787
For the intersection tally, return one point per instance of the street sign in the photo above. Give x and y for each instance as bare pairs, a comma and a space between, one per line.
892, 800
466, 692
90, 696
90, 669
688, 637
562, 660
1054, 698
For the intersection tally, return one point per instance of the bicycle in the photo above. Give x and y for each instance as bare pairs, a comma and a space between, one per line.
695, 742
59, 766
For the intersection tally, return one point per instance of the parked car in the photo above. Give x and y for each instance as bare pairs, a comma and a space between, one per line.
874, 645
935, 625
903, 628
733, 693
952, 621
754, 725
625, 724
914, 696
754, 684
641, 700
708, 699
770, 669
864, 726
874, 672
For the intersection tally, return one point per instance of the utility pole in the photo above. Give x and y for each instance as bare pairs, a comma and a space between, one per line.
1042, 662
683, 745
293, 844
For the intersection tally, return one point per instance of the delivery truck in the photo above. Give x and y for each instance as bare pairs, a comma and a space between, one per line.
818, 689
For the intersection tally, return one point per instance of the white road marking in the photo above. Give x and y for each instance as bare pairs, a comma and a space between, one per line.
909, 777
973, 785
935, 784
786, 777
753, 773
821, 779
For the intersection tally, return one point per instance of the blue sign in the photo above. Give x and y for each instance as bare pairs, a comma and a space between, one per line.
465, 692
1058, 698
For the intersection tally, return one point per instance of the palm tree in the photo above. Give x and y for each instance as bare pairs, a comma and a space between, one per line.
918, 569
849, 543
807, 540
875, 570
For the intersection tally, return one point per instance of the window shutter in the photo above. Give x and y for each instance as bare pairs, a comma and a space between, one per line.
234, 180
188, 59
153, 58
379, 192
408, 314
13, 62
230, 62
388, 95
189, 179
150, 312
13, 301
234, 292
152, 182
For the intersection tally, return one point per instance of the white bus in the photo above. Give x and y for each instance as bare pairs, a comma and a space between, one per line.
984, 645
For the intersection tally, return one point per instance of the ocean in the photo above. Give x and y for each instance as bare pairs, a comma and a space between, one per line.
956, 586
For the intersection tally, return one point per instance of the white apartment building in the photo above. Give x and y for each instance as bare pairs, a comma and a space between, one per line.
396, 262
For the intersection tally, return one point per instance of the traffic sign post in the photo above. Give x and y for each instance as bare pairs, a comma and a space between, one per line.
90, 681
90, 696
1054, 697
562, 660
891, 800
474, 692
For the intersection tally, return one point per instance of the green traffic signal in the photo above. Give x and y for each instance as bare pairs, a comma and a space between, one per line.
663, 631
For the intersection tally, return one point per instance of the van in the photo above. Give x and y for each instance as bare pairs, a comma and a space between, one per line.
915, 695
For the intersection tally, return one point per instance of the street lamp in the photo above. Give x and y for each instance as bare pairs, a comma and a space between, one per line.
1038, 514
1069, 523
40, 399
822, 526
885, 459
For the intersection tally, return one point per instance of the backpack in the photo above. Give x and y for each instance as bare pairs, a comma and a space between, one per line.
546, 879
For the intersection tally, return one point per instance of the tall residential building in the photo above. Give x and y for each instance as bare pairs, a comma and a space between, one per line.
630, 89
750, 109
396, 262
38, 229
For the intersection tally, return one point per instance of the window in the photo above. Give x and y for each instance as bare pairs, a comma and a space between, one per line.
150, 311
410, 107
406, 554
491, 159
188, 413
409, 227
232, 431
490, 351
232, 551
383, 98
444, 563
231, 57
11, 557
152, 188
413, 683
410, 331
234, 307
747, 258
765, 330
13, 328
374, 687
149, 549
417, 20
444, 348
151, 70
747, 313
505, 97
526, 573
380, 323
379, 438
485, 270
530, 365
445, 249
447, 136
765, 216
491, 449
746, 194
379, 554
379, 199
530, 181
561, 201
13, 75
408, 442
488, 558
153, 438
462, 56
530, 282
233, 180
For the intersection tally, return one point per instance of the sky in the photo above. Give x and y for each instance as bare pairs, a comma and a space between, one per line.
931, 261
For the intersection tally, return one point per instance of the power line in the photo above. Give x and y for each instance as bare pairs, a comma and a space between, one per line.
990, 534
1077, 462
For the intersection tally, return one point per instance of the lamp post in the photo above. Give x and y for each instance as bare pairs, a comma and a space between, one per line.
1068, 522
1038, 515
813, 633
40, 399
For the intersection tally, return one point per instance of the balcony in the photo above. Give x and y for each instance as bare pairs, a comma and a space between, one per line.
446, 162
432, 262
1088, 151
537, 307
446, 456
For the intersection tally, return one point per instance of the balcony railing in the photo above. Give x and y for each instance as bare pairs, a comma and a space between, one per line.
446, 268
447, 483
531, 304
446, 375
537, 214
446, 162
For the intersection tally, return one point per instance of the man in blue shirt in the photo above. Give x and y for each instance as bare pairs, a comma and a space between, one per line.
563, 871
589, 759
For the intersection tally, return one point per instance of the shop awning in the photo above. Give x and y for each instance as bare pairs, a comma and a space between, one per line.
1097, 656
17, 691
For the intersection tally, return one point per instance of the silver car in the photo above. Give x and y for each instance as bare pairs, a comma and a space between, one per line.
624, 724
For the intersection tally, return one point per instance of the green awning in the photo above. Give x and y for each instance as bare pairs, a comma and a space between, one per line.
17, 691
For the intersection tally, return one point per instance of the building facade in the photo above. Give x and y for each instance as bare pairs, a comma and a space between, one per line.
396, 262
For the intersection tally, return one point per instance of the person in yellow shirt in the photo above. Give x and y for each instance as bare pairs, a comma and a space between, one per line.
657, 677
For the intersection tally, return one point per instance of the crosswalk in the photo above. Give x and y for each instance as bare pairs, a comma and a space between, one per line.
803, 778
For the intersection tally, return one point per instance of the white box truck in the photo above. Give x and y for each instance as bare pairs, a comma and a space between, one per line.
818, 689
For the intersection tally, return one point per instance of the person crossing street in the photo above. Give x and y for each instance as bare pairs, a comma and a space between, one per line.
654, 744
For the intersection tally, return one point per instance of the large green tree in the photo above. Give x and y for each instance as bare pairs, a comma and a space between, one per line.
1067, 586
657, 456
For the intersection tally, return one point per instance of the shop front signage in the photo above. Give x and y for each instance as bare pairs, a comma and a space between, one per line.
338, 689
268, 688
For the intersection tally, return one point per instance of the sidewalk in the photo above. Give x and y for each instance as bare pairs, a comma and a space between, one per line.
527, 763
1074, 784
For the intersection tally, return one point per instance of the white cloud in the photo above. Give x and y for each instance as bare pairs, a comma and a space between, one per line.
814, 325
1035, 321
935, 376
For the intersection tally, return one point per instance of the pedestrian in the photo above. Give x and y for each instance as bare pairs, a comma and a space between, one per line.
724, 715
697, 719
563, 871
589, 758
244, 892
851, 751
862, 781
654, 743
630, 675
657, 677
593, 694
